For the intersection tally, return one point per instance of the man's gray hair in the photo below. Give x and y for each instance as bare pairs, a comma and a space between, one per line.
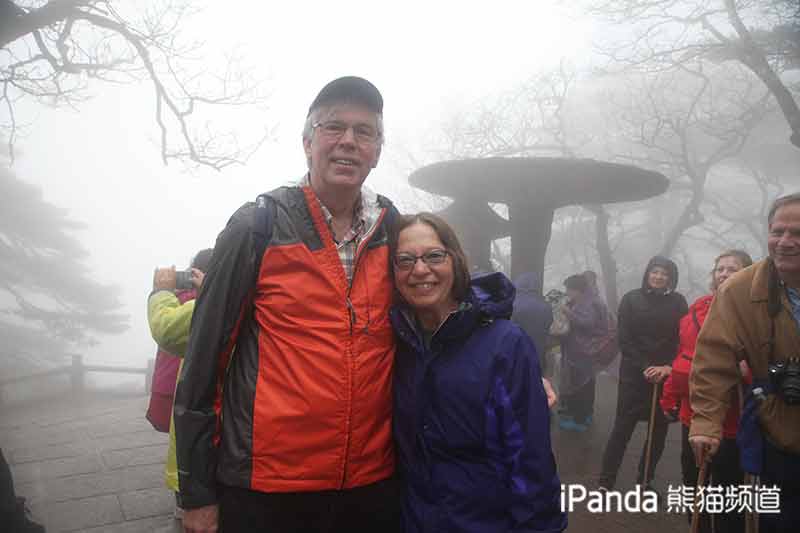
781, 201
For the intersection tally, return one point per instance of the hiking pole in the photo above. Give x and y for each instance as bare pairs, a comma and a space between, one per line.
650, 426
701, 482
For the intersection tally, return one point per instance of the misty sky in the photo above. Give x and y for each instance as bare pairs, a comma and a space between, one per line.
427, 58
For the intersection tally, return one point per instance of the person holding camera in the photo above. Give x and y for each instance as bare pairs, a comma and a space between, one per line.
169, 314
755, 317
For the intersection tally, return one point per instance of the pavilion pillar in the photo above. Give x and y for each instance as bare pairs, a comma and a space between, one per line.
531, 227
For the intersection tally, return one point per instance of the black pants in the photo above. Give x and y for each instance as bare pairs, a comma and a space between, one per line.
624, 424
724, 471
579, 404
781, 469
370, 509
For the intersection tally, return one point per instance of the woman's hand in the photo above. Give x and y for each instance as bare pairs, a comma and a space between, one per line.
552, 398
164, 279
743, 368
657, 374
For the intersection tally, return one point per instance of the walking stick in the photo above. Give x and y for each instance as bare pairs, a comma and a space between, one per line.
750, 516
701, 482
649, 448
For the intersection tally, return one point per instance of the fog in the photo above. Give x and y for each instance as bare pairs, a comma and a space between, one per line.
516, 79
90, 206
101, 161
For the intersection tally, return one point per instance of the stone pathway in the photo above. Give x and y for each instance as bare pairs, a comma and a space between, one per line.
89, 464
579, 455
93, 464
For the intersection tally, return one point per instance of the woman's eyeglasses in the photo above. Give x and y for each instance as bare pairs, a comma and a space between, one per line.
407, 261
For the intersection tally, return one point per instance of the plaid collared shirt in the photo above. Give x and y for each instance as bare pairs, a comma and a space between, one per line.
365, 217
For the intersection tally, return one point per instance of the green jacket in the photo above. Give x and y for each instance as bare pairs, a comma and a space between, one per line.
169, 321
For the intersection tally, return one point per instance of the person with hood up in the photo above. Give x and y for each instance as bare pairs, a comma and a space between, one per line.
471, 423
531, 312
648, 325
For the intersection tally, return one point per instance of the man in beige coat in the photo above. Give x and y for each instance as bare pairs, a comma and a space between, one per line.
755, 317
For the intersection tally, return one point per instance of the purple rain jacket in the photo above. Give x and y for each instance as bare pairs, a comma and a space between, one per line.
471, 423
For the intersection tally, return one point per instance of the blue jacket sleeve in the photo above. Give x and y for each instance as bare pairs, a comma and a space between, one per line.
523, 419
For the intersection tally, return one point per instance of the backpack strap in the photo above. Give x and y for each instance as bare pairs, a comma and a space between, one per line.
391, 213
263, 217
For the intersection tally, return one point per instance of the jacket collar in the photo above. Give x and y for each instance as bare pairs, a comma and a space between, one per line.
458, 323
759, 289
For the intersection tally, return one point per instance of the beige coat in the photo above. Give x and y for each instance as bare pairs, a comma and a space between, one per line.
738, 327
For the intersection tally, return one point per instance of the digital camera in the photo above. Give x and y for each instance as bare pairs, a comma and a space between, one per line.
183, 280
785, 377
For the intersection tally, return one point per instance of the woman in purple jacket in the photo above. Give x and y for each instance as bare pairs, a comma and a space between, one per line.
588, 320
471, 421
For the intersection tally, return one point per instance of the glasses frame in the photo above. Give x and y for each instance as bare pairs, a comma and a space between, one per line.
359, 138
410, 267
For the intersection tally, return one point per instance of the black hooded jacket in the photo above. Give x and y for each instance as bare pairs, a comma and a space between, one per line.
649, 324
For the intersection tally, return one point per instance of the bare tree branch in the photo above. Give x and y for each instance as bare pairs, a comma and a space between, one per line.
57, 47
669, 33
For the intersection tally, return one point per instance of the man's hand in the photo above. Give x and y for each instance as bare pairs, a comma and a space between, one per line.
657, 374
704, 448
551, 394
164, 279
201, 520
197, 278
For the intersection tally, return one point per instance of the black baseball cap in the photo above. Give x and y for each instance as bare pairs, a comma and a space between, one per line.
349, 89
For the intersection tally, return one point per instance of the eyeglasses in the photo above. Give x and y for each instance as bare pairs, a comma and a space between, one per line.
407, 261
334, 130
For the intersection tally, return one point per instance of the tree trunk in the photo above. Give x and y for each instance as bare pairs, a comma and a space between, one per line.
753, 56
608, 265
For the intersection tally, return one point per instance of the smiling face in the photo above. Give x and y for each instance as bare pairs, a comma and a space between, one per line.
426, 287
343, 162
658, 278
726, 267
784, 243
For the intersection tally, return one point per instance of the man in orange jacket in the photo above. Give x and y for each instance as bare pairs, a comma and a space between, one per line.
283, 407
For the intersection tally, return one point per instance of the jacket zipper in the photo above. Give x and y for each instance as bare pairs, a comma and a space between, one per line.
351, 310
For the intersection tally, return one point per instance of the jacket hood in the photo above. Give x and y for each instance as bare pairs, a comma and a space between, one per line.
492, 295
666, 264
527, 282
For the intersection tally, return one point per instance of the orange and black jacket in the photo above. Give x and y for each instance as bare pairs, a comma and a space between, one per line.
286, 385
